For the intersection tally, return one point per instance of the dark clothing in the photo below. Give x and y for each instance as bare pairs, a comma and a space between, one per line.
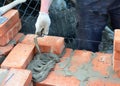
93, 17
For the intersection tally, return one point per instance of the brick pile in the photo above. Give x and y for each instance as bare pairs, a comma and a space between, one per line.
18, 50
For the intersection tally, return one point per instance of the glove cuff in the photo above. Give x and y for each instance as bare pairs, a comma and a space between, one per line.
44, 13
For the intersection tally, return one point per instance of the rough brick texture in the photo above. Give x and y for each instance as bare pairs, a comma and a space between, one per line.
117, 40
80, 57
13, 17
47, 43
29, 39
116, 51
10, 33
116, 55
19, 57
116, 65
18, 77
101, 62
56, 43
59, 80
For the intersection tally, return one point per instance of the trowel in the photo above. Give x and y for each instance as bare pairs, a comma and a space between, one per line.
7, 7
36, 42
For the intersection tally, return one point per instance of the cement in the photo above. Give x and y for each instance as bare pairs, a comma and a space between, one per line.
3, 74
2, 58
85, 72
41, 65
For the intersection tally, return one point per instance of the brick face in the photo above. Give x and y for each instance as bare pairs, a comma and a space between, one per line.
59, 80
80, 57
18, 77
101, 62
56, 43
13, 17
116, 51
47, 43
19, 57
116, 55
117, 40
116, 65
9, 35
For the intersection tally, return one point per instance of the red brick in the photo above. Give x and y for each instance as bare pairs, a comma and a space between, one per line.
10, 34
101, 62
80, 57
18, 77
117, 40
19, 57
56, 43
95, 82
6, 49
116, 55
102, 82
13, 17
117, 74
29, 39
47, 43
59, 80
116, 65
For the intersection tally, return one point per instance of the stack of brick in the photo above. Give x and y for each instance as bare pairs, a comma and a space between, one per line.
19, 50
100, 63
9, 31
116, 53
18, 55
21, 55
9, 37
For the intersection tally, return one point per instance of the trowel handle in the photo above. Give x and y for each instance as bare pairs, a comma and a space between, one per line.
9, 6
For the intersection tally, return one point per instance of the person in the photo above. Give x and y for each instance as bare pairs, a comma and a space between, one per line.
93, 16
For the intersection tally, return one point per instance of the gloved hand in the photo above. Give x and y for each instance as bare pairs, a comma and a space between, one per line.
42, 24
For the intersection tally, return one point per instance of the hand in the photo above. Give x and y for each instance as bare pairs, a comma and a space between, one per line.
42, 24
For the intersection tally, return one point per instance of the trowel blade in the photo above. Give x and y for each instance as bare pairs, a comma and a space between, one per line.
3, 19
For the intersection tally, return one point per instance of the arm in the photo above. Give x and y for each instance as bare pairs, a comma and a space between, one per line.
45, 4
43, 21
10, 6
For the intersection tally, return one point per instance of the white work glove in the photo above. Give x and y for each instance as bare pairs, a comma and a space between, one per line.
42, 24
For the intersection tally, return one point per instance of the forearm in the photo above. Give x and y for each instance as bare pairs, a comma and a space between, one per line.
45, 4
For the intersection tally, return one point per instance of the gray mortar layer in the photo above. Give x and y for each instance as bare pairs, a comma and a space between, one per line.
2, 58
41, 65
85, 72
3, 74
